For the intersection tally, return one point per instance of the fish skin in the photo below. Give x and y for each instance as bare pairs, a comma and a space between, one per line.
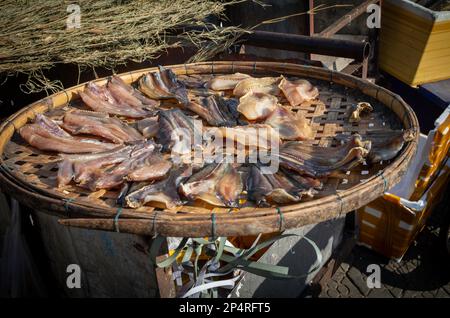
100, 99
257, 106
290, 126
118, 174
226, 82
299, 91
267, 189
164, 191
149, 126
216, 110
163, 85
45, 134
217, 184
250, 134
109, 128
385, 148
317, 162
128, 94
169, 121
268, 85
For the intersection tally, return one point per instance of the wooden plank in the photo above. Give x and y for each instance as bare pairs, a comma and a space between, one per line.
346, 19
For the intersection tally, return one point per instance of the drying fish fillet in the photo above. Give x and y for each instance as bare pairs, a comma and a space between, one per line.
138, 167
276, 188
217, 184
127, 94
100, 99
318, 161
226, 82
290, 126
386, 146
99, 124
298, 91
268, 85
252, 136
216, 110
148, 126
257, 106
360, 108
175, 126
81, 167
163, 85
164, 191
45, 134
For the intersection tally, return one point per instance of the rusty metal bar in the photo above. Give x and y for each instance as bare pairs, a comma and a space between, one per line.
346, 19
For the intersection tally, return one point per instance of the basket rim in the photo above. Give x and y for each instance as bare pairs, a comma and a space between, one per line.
250, 222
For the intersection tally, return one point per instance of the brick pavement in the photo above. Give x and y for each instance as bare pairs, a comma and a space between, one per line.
424, 272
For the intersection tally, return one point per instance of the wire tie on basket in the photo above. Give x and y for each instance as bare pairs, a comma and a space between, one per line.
254, 67
232, 67
185, 69
281, 222
213, 225
66, 204
381, 174
341, 204
212, 67
116, 219
154, 224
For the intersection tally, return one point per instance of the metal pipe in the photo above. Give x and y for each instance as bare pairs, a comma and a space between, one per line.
358, 51
307, 44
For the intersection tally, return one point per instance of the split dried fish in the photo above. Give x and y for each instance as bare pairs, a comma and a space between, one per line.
217, 111
226, 82
100, 99
175, 126
298, 91
135, 168
266, 189
45, 134
148, 126
163, 85
164, 191
252, 136
217, 184
317, 162
99, 124
360, 108
268, 85
127, 94
80, 167
257, 106
386, 146
290, 126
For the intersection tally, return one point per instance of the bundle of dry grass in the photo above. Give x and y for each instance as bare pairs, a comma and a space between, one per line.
37, 35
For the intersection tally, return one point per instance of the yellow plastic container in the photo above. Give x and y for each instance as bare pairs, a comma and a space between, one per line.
414, 42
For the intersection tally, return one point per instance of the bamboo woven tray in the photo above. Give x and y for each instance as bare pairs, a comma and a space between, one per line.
30, 175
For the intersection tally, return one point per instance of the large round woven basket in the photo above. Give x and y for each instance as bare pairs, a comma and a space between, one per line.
29, 174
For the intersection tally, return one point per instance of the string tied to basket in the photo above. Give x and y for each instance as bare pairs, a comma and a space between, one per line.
281, 220
154, 231
213, 226
66, 205
381, 174
341, 203
116, 219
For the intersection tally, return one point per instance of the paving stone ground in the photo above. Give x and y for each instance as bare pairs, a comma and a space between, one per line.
424, 271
